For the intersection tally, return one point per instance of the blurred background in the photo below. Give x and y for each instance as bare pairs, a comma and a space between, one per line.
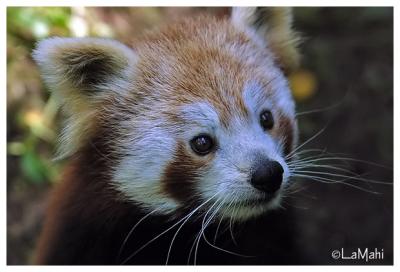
345, 85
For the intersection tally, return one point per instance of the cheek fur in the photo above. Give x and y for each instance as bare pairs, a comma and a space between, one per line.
182, 175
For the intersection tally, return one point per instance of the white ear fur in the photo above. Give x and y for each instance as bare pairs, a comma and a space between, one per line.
82, 73
273, 26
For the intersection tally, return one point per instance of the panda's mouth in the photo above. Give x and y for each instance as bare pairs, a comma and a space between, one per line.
264, 202
243, 209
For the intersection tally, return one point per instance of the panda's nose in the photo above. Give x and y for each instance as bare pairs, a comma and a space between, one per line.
267, 176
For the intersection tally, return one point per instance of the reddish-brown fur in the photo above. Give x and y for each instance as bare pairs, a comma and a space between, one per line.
88, 219
285, 131
180, 176
83, 199
206, 71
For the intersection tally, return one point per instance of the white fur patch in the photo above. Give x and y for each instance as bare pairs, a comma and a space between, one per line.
199, 118
242, 18
202, 114
148, 149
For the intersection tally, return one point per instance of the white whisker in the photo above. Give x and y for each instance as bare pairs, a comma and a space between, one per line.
200, 232
174, 225
357, 178
292, 153
330, 181
131, 231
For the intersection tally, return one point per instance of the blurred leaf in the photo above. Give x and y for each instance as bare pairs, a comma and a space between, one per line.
33, 167
38, 22
35, 120
303, 84
16, 148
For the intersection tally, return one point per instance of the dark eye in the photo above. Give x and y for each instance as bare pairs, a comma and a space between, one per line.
266, 119
202, 144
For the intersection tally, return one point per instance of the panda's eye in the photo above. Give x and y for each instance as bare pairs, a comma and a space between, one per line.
202, 144
266, 120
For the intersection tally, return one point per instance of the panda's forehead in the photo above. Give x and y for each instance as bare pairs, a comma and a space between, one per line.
210, 114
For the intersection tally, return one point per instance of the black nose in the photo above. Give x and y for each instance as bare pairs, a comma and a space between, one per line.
267, 176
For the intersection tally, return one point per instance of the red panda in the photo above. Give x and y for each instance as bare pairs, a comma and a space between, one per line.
171, 140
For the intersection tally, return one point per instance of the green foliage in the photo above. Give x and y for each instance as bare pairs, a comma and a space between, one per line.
38, 22
33, 167
32, 120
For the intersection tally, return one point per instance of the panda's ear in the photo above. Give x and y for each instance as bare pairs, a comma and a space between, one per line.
274, 26
87, 67
82, 73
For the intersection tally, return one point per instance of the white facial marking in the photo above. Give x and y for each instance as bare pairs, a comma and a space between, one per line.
200, 118
147, 152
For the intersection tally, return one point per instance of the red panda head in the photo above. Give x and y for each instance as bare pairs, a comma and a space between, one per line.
200, 111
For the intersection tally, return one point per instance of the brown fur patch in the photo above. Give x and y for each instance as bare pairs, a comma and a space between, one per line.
182, 174
287, 133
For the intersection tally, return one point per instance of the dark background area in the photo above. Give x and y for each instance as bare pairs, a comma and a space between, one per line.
347, 70
350, 52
